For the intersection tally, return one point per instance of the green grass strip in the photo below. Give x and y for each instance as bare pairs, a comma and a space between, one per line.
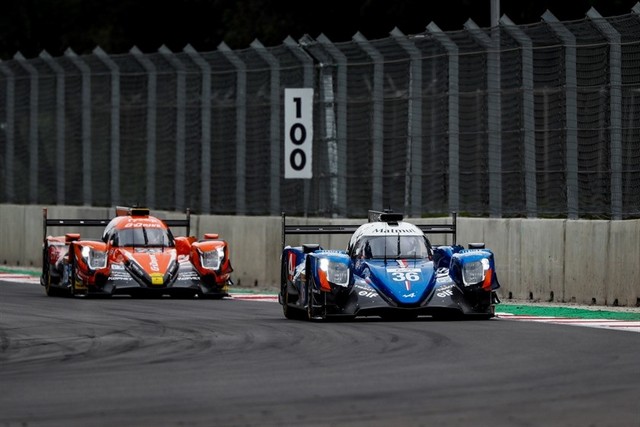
14, 270
555, 311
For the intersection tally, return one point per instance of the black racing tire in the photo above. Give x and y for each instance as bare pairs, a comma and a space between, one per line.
288, 311
51, 291
191, 295
72, 273
399, 317
312, 312
72, 281
480, 317
207, 296
448, 316
45, 266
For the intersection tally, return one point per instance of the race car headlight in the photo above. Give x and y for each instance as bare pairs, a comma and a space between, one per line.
473, 272
93, 258
337, 273
212, 259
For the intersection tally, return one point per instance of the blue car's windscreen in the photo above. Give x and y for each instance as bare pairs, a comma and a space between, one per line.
393, 246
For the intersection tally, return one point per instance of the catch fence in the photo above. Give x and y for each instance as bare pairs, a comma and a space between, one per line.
530, 121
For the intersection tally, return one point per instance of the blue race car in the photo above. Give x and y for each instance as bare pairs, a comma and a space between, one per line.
390, 269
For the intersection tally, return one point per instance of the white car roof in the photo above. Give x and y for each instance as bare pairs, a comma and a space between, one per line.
385, 229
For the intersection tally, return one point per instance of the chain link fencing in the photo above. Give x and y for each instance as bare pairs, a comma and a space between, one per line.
532, 121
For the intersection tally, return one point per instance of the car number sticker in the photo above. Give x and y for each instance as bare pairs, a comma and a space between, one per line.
291, 265
405, 274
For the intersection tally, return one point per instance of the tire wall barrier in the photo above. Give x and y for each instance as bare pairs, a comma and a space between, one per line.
557, 260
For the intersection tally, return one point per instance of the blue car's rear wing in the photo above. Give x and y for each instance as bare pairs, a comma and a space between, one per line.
76, 222
373, 216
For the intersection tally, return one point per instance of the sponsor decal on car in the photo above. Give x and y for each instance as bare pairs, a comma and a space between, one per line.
368, 294
291, 266
140, 225
120, 274
365, 290
153, 263
189, 275
393, 230
445, 291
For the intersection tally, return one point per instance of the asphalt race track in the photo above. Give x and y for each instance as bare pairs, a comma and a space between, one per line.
173, 362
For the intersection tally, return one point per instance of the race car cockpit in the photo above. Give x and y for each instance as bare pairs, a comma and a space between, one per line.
142, 236
393, 246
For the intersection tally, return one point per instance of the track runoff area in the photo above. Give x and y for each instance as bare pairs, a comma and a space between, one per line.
621, 319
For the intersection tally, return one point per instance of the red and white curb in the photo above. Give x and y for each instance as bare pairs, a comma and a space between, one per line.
255, 297
622, 325
19, 278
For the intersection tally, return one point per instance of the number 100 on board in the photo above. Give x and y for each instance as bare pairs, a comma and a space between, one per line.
298, 133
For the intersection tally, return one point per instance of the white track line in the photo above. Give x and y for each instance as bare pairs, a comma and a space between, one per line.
621, 325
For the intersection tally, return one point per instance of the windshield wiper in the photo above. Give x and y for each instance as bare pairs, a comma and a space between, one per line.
146, 239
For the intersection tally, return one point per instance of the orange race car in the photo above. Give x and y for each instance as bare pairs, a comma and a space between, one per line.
137, 255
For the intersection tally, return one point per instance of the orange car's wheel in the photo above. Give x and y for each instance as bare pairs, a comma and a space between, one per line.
72, 282
50, 290
72, 276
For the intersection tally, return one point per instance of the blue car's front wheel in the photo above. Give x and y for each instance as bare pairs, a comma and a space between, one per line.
288, 311
399, 316
315, 310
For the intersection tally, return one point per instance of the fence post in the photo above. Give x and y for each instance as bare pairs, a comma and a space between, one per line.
338, 109
181, 88
615, 106
241, 121
454, 119
9, 131
87, 186
60, 128
115, 123
205, 129
528, 114
571, 115
377, 131
151, 123
274, 125
308, 82
33, 126
413, 183
494, 124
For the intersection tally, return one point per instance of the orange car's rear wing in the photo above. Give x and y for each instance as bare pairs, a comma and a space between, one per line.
373, 216
76, 222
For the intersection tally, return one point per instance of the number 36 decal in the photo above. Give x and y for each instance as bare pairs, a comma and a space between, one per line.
410, 276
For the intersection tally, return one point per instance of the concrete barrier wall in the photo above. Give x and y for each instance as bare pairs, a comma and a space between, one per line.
586, 262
